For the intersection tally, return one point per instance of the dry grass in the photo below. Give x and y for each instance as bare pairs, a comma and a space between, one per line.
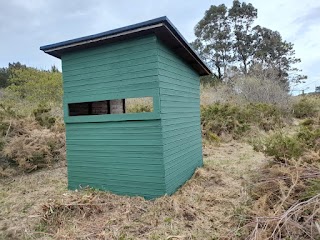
30, 146
206, 207
285, 201
296, 222
285, 191
21, 196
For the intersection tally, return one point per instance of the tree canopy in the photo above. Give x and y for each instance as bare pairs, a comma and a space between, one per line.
226, 38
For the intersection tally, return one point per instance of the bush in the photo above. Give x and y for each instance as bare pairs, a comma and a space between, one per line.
223, 119
32, 147
212, 137
266, 116
305, 107
310, 137
236, 120
281, 147
31, 135
43, 117
256, 89
138, 105
307, 122
286, 190
139, 108
36, 86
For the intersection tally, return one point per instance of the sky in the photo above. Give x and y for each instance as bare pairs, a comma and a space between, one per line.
27, 25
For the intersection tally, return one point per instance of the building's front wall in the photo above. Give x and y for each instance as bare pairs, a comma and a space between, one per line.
107, 151
180, 118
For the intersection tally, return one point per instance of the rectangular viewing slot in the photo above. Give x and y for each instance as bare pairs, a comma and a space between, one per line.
116, 106
139, 105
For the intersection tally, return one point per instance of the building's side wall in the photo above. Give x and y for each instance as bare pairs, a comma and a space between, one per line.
125, 157
180, 118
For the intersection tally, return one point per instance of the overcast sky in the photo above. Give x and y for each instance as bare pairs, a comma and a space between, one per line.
25, 25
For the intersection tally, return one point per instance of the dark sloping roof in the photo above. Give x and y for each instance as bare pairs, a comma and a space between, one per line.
161, 27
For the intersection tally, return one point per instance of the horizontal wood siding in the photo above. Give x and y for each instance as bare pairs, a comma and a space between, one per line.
180, 118
124, 67
124, 157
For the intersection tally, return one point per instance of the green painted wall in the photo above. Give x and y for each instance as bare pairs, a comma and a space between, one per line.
180, 118
146, 154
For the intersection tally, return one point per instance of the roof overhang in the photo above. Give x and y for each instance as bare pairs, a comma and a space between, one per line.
161, 27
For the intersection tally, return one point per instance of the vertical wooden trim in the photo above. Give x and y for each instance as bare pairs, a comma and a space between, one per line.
124, 105
108, 105
90, 108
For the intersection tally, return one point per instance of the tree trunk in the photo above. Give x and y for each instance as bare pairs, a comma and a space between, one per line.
245, 67
219, 72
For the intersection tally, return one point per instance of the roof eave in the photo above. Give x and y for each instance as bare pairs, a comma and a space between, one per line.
151, 26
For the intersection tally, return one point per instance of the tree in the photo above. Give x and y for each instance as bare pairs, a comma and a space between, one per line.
227, 39
272, 53
214, 38
242, 16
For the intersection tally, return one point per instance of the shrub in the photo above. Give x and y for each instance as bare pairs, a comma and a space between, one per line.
235, 120
305, 107
138, 105
139, 108
266, 116
258, 89
43, 117
308, 122
309, 136
36, 86
282, 147
212, 137
312, 189
7, 114
223, 119
31, 135
286, 190
4, 126
32, 147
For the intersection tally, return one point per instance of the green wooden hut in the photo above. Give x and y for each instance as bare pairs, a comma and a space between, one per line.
147, 154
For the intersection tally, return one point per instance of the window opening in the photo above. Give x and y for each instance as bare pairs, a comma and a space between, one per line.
116, 106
